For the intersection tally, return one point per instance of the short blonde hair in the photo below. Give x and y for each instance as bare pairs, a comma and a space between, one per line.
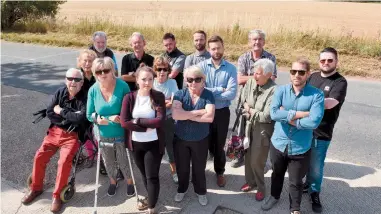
196, 70
160, 60
106, 63
88, 52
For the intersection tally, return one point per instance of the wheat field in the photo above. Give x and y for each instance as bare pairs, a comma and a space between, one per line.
337, 18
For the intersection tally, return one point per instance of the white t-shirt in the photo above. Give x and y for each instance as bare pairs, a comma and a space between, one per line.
143, 109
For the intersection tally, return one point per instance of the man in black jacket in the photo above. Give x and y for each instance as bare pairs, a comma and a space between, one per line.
67, 114
100, 47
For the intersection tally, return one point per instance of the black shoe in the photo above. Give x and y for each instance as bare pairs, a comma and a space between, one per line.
130, 190
102, 168
237, 162
112, 189
119, 176
316, 205
305, 187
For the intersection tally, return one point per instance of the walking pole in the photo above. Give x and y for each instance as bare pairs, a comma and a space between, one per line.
132, 175
96, 133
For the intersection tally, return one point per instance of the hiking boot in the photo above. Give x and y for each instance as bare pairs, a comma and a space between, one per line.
259, 196
269, 203
316, 205
202, 199
130, 190
142, 204
296, 212
306, 187
112, 189
237, 162
179, 196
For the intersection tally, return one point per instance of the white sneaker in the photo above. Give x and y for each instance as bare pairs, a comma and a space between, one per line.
203, 200
179, 196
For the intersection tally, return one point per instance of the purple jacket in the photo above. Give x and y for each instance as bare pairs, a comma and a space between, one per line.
142, 123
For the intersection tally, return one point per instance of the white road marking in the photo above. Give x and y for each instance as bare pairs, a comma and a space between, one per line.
11, 95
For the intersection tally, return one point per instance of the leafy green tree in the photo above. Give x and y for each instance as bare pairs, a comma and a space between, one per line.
13, 11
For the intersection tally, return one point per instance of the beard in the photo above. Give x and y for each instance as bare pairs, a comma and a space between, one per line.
328, 71
100, 50
200, 47
217, 56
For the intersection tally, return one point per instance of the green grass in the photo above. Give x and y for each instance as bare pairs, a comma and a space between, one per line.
361, 55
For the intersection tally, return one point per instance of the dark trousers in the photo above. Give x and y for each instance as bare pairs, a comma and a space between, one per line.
148, 159
297, 166
218, 133
179, 80
197, 152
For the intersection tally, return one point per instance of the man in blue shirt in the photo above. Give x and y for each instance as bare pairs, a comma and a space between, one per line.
221, 80
297, 109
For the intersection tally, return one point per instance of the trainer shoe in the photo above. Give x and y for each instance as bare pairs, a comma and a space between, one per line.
112, 189
179, 196
269, 203
202, 199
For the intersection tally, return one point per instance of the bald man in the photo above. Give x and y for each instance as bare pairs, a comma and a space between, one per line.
67, 114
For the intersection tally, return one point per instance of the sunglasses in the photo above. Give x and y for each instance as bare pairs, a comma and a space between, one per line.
162, 70
322, 61
300, 72
196, 80
70, 79
104, 71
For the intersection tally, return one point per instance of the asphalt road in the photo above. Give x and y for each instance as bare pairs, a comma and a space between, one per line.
30, 73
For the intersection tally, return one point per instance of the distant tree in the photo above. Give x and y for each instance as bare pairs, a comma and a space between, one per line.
13, 11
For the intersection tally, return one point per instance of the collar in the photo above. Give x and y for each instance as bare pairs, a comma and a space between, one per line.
209, 62
198, 53
301, 92
134, 56
263, 54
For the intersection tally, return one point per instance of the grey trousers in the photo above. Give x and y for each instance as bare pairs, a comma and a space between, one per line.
115, 155
255, 161
169, 129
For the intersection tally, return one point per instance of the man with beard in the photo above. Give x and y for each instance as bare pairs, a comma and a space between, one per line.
245, 71
221, 80
334, 87
201, 54
132, 61
297, 110
175, 57
100, 47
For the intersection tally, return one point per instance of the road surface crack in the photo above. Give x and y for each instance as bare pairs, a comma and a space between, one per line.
18, 208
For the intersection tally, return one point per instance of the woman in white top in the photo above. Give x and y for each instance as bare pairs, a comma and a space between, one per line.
143, 116
168, 87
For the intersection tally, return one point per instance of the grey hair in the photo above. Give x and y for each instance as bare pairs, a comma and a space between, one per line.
100, 34
75, 69
257, 32
267, 66
137, 34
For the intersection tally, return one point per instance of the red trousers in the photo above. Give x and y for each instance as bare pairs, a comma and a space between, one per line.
68, 144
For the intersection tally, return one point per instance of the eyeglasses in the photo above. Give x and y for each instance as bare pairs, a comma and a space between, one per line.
104, 71
162, 70
322, 61
196, 80
300, 72
70, 79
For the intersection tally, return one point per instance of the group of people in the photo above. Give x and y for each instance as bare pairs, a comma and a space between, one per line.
179, 105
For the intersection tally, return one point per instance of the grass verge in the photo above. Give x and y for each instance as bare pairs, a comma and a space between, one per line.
358, 56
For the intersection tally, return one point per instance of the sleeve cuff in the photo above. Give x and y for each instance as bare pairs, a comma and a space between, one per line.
291, 114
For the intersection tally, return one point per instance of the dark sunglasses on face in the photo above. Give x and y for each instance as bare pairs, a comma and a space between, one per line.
196, 80
70, 79
104, 71
162, 70
300, 72
322, 61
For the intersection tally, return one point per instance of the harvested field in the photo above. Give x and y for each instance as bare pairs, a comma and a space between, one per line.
357, 19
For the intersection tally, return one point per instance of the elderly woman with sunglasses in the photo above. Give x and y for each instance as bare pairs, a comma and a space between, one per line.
103, 108
168, 87
193, 108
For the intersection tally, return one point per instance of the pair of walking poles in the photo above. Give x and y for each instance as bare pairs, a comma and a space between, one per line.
101, 145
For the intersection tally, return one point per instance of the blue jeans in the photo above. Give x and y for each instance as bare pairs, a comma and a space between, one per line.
315, 174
